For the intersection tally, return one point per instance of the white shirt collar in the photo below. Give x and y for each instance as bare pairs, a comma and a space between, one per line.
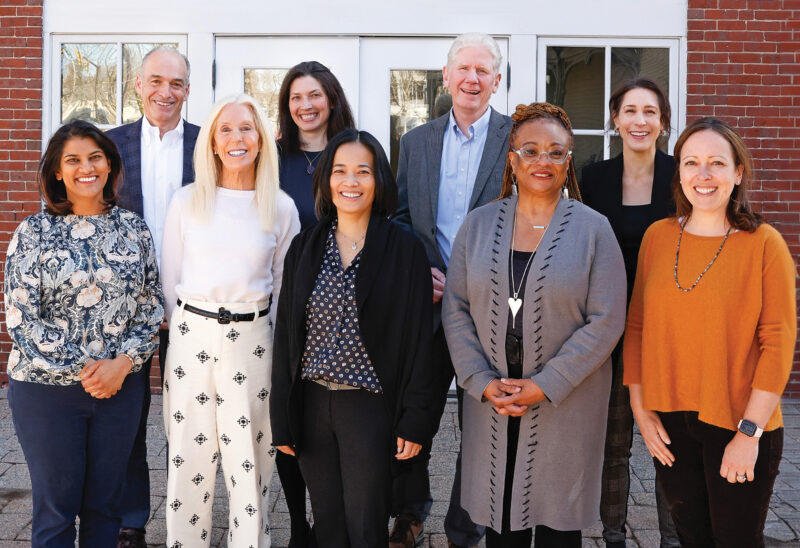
152, 134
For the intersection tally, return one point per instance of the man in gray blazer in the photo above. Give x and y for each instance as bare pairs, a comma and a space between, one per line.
446, 168
156, 153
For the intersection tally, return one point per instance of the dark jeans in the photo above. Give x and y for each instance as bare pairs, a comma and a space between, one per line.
707, 510
76, 448
345, 459
411, 492
616, 467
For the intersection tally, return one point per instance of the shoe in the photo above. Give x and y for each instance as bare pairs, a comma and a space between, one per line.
451, 544
407, 532
131, 538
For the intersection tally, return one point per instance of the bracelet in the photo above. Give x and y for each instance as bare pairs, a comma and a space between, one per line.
129, 359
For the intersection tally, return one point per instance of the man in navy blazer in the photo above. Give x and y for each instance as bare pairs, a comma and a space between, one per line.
446, 168
156, 153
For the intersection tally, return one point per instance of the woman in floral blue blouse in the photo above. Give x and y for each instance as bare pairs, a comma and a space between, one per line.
83, 303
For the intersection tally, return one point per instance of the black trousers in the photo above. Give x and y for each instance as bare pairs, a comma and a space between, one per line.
706, 509
345, 458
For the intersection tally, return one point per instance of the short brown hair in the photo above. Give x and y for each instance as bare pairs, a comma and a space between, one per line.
738, 211
52, 190
541, 111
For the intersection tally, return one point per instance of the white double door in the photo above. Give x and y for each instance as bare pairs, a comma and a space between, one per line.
392, 84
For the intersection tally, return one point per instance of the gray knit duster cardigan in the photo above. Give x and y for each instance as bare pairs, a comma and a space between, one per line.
573, 315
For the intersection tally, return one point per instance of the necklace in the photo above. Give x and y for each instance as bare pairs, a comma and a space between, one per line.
678, 251
310, 166
355, 243
515, 302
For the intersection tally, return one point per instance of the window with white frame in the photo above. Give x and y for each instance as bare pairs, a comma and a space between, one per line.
581, 74
93, 77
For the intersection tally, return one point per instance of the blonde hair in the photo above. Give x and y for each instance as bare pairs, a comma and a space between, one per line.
208, 166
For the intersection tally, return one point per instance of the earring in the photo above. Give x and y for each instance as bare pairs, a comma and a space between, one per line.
514, 190
564, 191
616, 131
215, 153
663, 132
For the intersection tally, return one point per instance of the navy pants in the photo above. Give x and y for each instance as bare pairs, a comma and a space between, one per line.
77, 450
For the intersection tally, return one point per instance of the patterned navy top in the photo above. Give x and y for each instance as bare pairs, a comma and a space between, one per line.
334, 349
80, 287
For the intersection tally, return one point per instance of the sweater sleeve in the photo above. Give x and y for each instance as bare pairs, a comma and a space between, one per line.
172, 253
473, 371
590, 345
632, 342
287, 227
777, 323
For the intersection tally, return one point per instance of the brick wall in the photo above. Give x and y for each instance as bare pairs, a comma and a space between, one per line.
20, 124
744, 67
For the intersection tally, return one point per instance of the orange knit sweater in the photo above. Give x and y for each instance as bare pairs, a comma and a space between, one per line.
706, 349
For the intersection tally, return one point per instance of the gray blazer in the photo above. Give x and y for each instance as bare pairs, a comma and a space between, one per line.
573, 315
418, 176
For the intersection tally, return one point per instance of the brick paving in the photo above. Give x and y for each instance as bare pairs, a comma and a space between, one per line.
783, 521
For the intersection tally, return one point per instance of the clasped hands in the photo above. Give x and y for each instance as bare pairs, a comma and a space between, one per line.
103, 378
513, 397
405, 449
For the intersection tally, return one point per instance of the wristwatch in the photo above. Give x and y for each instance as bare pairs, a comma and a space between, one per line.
750, 429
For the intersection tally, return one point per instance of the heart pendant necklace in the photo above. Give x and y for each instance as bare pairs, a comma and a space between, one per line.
515, 301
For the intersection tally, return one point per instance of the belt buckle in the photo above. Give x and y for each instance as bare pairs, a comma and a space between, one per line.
224, 316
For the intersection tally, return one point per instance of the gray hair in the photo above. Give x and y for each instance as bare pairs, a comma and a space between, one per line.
171, 50
477, 40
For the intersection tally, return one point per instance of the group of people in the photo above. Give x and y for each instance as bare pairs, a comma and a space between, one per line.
313, 310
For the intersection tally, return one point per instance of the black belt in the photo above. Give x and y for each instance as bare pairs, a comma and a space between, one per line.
225, 316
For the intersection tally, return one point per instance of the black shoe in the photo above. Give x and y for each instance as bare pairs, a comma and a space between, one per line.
407, 532
131, 538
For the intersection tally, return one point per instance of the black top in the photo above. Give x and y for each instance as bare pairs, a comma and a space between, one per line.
297, 183
393, 297
520, 259
601, 189
334, 350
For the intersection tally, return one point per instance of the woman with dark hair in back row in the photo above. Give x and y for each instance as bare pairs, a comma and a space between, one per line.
312, 109
350, 382
83, 304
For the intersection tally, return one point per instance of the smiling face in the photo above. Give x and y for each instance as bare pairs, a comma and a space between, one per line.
471, 80
84, 170
639, 120
163, 86
708, 172
353, 180
308, 105
236, 141
541, 177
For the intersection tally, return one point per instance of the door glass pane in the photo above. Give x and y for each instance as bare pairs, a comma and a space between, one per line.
630, 63
89, 83
575, 78
132, 55
417, 97
588, 149
265, 85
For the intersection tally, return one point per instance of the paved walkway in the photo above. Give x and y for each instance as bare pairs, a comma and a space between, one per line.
783, 521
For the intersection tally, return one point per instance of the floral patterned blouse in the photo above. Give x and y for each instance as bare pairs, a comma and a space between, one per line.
80, 287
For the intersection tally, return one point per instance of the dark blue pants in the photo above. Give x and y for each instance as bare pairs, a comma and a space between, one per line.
77, 450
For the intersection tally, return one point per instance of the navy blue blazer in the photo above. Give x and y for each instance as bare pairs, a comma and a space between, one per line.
128, 139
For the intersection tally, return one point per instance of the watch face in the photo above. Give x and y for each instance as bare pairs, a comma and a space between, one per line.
747, 428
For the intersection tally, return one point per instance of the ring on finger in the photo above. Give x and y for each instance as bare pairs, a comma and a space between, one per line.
741, 478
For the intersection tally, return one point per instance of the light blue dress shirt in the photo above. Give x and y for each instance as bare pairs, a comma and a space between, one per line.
461, 157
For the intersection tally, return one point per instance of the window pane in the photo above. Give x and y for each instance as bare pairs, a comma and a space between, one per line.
630, 63
588, 149
89, 83
132, 55
264, 85
416, 97
575, 78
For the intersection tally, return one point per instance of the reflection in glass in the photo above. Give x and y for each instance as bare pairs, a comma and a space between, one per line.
132, 55
575, 78
265, 85
588, 149
89, 83
630, 63
416, 97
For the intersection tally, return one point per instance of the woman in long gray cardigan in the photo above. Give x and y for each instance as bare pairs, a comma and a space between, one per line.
534, 305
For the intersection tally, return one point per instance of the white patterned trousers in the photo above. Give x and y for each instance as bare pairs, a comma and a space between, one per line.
216, 406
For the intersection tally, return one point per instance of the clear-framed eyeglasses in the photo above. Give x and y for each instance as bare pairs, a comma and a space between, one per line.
530, 155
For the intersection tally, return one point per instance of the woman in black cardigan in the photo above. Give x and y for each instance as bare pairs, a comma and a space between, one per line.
633, 191
350, 379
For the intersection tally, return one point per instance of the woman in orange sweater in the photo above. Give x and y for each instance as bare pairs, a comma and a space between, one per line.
709, 344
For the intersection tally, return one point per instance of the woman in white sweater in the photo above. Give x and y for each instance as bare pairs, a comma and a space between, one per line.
224, 243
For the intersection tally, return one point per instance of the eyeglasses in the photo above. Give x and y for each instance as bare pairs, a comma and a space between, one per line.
556, 156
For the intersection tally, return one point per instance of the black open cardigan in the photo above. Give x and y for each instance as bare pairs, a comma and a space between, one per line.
393, 296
